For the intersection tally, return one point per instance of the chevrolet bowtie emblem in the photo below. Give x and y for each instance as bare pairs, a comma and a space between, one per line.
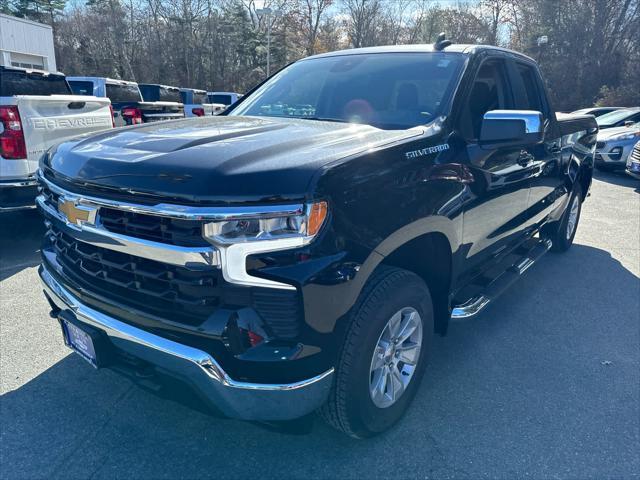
76, 214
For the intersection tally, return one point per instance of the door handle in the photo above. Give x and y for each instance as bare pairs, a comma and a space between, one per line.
554, 148
524, 158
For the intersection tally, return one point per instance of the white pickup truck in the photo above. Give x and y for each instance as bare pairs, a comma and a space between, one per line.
37, 110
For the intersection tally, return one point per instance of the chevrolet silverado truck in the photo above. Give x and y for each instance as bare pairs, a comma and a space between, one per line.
166, 98
224, 98
37, 110
196, 103
126, 100
278, 264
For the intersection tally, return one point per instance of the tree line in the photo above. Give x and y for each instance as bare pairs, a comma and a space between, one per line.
588, 50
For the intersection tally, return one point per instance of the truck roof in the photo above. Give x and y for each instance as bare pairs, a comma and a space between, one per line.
28, 70
196, 90
105, 79
467, 49
158, 85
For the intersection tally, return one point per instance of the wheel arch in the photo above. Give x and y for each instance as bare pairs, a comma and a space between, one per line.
431, 258
425, 247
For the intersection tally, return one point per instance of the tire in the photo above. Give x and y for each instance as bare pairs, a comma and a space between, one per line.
563, 232
351, 407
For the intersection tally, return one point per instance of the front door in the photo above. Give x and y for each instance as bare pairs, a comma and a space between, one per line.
495, 212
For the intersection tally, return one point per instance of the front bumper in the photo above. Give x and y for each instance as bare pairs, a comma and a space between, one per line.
613, 154
244, 400
18, 194
634, 172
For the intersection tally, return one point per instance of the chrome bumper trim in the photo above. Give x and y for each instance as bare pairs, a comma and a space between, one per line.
17, 209
245, 400
608, 157
19, 183
188, 257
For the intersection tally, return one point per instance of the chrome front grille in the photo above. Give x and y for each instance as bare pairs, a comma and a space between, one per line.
166, 239
171, 231
635, 154
128, 257
146, 285
186, 233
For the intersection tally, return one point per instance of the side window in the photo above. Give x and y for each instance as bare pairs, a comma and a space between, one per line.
533, 97
489, 92
81, 87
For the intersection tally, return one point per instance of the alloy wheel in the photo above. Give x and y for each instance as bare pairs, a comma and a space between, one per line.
395, 357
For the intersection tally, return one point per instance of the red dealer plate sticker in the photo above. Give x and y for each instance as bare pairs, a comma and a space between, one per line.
79, 341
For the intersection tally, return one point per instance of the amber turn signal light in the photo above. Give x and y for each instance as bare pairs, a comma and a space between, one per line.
317, 216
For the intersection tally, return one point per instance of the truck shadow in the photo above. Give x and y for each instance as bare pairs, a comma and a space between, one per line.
516, 373
618, 178
20, 239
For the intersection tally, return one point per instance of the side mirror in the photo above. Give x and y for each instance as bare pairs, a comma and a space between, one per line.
512, 128
629, 123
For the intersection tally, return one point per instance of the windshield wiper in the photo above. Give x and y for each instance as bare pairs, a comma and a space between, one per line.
321, 119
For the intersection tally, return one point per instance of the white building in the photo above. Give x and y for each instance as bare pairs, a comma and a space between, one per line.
26, 44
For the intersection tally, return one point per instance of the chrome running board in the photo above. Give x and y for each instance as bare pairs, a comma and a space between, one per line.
470, 308
492, 290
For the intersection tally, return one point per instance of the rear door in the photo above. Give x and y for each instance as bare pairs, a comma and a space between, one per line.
546, 172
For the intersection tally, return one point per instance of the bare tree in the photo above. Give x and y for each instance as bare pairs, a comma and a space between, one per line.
591, 56
363, 20
312, 13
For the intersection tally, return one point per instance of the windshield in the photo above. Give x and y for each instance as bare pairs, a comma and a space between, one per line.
170, 94
17, 82
200, 97
386, 90
222, 98
613, 117
81, 87
159, 93
121, 93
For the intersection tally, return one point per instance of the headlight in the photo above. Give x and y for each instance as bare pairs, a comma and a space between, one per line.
272, 226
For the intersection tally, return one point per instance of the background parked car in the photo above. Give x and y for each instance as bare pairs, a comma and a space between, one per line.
196, 103
225, 98
614, 146
619, 118
126, 100
633, 162
596, 111
37, 110
163, 96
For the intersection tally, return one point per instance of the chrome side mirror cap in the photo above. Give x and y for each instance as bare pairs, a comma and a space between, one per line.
512, 128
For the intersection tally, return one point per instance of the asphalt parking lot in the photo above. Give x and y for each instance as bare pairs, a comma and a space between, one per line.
544, 384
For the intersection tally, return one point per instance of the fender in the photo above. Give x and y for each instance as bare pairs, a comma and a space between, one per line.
344, 295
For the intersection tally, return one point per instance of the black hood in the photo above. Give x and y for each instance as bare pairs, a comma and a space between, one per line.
215, 159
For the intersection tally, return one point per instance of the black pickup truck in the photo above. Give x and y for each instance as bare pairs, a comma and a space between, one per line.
299, 252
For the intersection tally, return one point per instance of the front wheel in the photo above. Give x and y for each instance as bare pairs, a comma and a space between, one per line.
563, 232
384, 356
